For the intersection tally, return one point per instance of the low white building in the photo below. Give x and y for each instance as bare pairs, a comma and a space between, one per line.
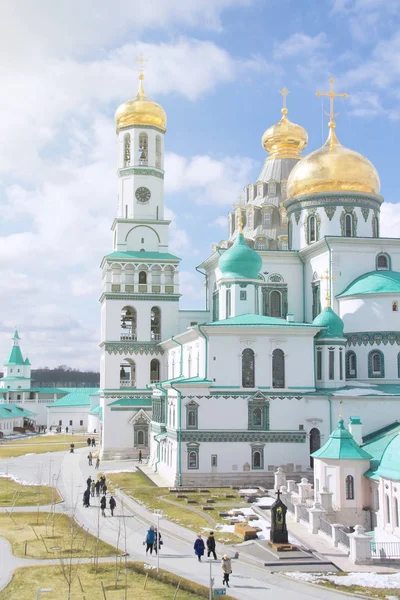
15, 418
72, 410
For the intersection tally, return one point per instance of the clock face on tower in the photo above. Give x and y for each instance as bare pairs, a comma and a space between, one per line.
143, 195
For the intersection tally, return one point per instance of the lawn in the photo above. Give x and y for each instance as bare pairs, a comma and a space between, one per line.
26, 580
16, 494
137, 486
55, 438
32, 532
40, 445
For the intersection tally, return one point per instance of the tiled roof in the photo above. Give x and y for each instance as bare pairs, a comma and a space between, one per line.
257, 320
341, 446
9, 411
132, 402
76, 397
143, 255
374, 282
375, 444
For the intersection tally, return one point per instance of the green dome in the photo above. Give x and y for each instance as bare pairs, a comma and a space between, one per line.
389, 467
240, 261
374, 282
333, 323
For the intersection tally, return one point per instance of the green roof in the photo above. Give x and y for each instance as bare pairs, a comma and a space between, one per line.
374, 282
240, 261
186, 380
9, 411
16, 335
143, 255
15, 357
389, 467
96, 410
132, 402
257, 321
14, 378
27, 361
341, 446
375, 444
76, 397
355, 421
332, 323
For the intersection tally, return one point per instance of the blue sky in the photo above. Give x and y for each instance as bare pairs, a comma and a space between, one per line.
216, 66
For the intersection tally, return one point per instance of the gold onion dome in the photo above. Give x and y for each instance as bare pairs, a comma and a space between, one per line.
284, 139
140, 111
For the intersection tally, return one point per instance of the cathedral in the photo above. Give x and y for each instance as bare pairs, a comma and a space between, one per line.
301, 322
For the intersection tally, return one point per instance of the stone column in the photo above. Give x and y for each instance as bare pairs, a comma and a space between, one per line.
360, 546
305, 490
291, 485
326, 499
335, 533
280, 479
315, 513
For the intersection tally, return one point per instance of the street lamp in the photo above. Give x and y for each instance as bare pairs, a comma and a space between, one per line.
159, 515
43, 590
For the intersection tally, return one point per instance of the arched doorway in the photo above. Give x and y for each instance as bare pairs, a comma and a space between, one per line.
315, 443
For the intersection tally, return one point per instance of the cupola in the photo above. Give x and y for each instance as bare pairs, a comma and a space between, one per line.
240, 261
140, 111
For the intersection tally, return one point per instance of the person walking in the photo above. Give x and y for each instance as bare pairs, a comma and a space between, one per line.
90, 459
93, 443
93, 487
66, 430
104, 489
97, 486
157, 540
140, 456
89, 482
103, 505
86, 498
211, 545
149, 541
102, 481
71, 448
112, 504
88, 441
97, 463
226, 566
199, 547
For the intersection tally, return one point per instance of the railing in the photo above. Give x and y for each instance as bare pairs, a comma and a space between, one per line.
128, 336
290, 506
155, 336
303, 514
129, 383
385, 550
155, 380
343, 538
326, 527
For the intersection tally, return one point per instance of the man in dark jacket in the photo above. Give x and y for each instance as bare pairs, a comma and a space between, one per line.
211, 545
112, 504
103, 505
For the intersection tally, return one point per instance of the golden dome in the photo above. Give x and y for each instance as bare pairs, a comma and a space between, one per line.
140, 111
284, 139
333, 168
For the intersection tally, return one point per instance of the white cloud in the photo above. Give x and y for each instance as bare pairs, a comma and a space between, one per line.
221, 222
367, 20
301, 43
390, 220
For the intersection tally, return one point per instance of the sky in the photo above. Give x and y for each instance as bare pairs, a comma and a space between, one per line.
216, 67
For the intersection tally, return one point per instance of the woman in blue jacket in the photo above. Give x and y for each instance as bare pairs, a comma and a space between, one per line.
149, 541
199, 547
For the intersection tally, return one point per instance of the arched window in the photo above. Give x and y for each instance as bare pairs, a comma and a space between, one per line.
154, 370
349, 487
376, 364
127, 374
387, 508
142, 277
143, 149
192, 418
275, 302
315, 443
348, 225
261, 244
256, 460
155, 323
267, 218
128, 323
382, 262
396, 512
248, 368
158, 152
127, 150
290, 235
375, 227
312, 229
351, 364
250, 219
193, 460
140, 437
257, 417
278, 368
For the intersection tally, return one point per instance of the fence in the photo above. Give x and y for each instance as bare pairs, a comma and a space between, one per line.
343, 538
303, 514
290, 506
385, 550
326, 527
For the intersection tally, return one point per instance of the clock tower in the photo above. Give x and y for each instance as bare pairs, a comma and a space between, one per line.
140, 285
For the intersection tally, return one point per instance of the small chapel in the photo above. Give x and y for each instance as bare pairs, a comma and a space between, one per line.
301, 317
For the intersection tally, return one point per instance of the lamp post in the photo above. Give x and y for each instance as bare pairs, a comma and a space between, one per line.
210, 595
42, 590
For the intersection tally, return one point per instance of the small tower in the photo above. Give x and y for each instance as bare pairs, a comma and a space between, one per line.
17, 372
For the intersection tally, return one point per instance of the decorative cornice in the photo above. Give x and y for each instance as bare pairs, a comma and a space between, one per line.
323, 200
133, 348
126, 296
274, 437
365, 338
142, 127
140, 171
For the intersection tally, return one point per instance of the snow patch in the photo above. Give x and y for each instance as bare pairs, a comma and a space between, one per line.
19, 480
360, 392
368, 580
249, 491
120, 471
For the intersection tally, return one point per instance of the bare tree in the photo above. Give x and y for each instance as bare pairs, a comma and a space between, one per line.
69, 567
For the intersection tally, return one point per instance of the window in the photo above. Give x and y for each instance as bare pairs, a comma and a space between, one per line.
248, 368
59, 423
348, 225
140, 437
383, 262
349, 487
290, 235
257, 417
18, 396
315, 443
70, 422
395, 306
243, 295
316, 299
351, 364
214, 460
261, 244
127, 150
228, 304
278, 368
192, 415
387, 507
396, 512
215, 306
375, 227
267, 218
341, 364
312, 229
331, 364
272, 188
275, 301
257, 458
143, 277
376, 364
250, 219
80, 423
319, 364
158, 152
143, 150
155, 323
193, 459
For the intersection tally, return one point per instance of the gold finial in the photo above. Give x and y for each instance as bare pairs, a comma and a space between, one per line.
331, 95
240, 219
141, 60
328, 279
284, 93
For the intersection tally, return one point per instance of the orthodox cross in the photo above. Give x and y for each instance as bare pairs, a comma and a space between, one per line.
141, 60
278, 493
240, 218
328, 278
284, 92
331, 95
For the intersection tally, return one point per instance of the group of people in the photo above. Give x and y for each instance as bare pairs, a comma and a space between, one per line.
90, 460
199, 549
91, 442
153, 540
98, 487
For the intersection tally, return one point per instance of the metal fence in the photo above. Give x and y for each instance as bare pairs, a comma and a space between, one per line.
385, 550
303, 514
326, 527
290, 506
343, 538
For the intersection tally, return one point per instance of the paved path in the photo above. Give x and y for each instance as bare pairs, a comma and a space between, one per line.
250, 580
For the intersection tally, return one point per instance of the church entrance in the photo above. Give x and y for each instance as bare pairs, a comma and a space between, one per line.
315, 443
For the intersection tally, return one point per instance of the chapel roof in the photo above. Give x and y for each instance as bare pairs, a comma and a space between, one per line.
389, 467
374, 282
252, 320
332, 323
341, 446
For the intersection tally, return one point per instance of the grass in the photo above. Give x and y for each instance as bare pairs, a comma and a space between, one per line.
26, 580
40, 445
380, 593
33, 531
17, 494
138, 486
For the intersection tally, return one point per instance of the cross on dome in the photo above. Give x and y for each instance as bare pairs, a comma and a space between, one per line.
331, 95
284, 93
240, 219
141, 60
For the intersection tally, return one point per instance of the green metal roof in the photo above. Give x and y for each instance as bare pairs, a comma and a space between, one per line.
76, 397
240, 261
143, 255
14, 378
389, 467
184, 380
9, 411
374, 282
96, 410
16, 335
341, 446
375, 444
132, 402
257, 321
332, 323
15, 357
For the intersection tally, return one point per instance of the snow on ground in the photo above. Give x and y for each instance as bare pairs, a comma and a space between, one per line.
121, 471
19, 480
359, 392
369, 580
248, 491
265, 501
